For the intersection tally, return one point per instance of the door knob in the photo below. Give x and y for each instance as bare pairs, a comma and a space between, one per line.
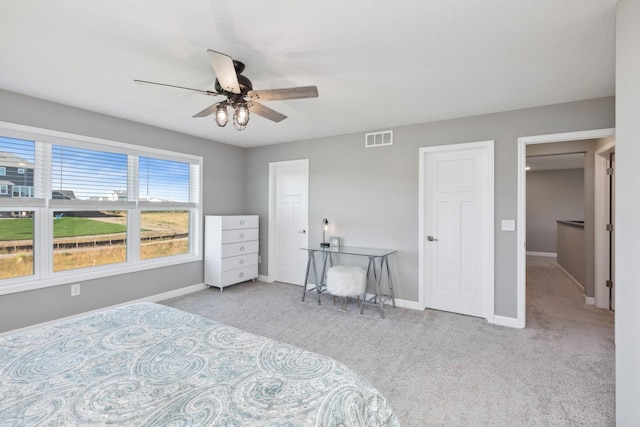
303, 231
431, 239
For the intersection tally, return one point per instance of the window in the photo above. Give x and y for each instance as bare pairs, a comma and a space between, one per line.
3, 170
105, 208
22, 191
163, 233
88, 239
85, 174
16, 244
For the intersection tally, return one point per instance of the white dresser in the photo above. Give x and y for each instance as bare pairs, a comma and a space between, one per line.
230, 249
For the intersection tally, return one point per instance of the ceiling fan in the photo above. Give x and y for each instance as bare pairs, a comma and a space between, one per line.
238, 89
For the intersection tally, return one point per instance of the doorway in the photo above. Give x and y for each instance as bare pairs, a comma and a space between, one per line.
288, 220
456, 228
523, 142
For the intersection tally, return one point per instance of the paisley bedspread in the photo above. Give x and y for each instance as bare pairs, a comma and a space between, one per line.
147, 364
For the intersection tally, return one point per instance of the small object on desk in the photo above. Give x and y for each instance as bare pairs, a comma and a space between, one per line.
325, 227
334, 241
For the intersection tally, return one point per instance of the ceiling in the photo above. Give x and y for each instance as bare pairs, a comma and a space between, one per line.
377, 64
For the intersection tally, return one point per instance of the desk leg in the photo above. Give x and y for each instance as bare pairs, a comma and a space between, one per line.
364, 295
306, 276
324, 266
315, 276
391, 293
378, 278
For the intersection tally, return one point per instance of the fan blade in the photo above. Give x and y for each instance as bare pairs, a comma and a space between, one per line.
266, 112
203, 92
208, 111
225, 71
278, 94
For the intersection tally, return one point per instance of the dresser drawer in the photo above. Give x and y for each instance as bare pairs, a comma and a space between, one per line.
239, 235
239, 275
243, 248
239, 221
241, 261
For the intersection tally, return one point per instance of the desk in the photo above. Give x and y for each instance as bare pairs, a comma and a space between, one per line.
327, 261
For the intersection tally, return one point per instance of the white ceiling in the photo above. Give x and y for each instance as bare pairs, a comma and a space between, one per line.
377, 64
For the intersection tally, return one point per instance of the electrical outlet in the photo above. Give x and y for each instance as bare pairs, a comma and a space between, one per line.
75, 290
259, 259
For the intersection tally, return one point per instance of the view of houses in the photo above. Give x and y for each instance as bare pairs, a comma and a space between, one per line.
16, 176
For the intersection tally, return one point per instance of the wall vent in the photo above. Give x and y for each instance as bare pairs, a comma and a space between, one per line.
378, 139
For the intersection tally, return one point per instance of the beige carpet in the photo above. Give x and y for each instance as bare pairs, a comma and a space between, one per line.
438, 368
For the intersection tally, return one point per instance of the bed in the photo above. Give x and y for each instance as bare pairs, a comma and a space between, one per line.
147, 364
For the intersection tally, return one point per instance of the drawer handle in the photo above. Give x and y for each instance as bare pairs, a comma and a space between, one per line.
241, 261
242, 249
241, 275
242, 222
242, 235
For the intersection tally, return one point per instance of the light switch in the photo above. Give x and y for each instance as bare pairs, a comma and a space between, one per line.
508, 225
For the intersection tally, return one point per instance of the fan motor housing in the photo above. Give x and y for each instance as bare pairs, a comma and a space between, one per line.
244, 83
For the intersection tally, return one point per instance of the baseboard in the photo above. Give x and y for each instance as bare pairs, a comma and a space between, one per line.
545, 254
589, 300
152, 298
266, 279
573, 279
511, 322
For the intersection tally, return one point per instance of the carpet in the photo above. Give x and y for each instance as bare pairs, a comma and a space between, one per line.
443, 369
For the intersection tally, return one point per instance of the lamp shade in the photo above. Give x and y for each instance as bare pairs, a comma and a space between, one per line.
241, 116
222, 116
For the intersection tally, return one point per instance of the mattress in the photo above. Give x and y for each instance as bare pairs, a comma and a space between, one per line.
148, 364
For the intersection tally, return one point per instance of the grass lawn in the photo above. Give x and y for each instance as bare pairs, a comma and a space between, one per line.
16, 229
22, 228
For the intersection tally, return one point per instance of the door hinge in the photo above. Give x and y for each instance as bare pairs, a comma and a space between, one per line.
609, 171
609, 227
609, 283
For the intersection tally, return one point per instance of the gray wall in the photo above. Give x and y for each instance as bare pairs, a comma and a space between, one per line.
552, 195
571, 250
627, 208
372, 194
223, 193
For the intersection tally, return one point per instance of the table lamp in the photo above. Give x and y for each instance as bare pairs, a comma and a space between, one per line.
325, 228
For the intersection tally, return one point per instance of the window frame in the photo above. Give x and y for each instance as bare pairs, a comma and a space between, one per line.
44, 205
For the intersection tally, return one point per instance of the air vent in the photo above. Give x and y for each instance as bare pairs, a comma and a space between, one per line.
378, 139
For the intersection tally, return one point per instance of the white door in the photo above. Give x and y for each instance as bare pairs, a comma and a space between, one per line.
457, 228
290, 193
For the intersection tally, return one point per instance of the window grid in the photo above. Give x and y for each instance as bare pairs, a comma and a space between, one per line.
115, 183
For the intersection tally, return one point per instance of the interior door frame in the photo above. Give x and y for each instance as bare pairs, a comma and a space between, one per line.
488, 207
272, 250
521, 228
601, 214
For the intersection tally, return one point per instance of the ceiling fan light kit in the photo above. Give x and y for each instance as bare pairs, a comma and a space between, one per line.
240, 94
222, 116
